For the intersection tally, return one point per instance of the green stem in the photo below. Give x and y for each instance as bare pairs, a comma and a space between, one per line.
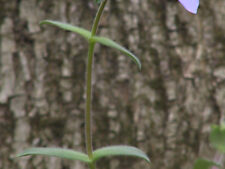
97, 18
92, 165
88, 133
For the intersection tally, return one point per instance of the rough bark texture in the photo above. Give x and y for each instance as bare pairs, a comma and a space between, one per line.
166, 109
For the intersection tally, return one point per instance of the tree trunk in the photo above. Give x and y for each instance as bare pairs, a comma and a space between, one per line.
166, 109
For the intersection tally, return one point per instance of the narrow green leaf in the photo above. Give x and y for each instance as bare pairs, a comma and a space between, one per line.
205, 164
112, 44
119, 151
56, 152
81, 31
87, 34
217, 137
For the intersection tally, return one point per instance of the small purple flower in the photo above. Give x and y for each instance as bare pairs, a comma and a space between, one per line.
190, 5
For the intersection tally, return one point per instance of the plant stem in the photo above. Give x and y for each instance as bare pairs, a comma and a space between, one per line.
88, 133
97, 18
88, 124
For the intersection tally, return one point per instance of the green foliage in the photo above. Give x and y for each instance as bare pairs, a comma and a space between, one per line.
112, 44
205, 164
83, 32
217, 137
87, 35
119, 151
92, 157
56, 152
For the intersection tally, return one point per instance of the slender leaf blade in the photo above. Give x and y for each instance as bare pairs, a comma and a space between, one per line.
205, 164
112, 44
81, 31
119, 150
56, 152
217, 137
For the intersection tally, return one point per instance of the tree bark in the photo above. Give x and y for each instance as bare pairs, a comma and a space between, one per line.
165, 109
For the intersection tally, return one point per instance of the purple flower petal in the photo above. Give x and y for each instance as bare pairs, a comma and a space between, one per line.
190, 5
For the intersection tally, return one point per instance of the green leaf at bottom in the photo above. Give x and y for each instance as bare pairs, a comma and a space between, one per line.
205, 164
120, 150
56, 152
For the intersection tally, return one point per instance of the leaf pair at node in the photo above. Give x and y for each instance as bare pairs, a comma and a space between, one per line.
87, 35
120, 150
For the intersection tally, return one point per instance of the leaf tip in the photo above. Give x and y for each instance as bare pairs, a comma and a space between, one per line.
43, 22
148, 160
139, 66
19, 155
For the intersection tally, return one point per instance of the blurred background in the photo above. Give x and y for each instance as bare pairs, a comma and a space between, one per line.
165, 109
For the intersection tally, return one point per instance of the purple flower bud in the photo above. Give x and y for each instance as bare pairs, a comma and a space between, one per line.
190, 5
